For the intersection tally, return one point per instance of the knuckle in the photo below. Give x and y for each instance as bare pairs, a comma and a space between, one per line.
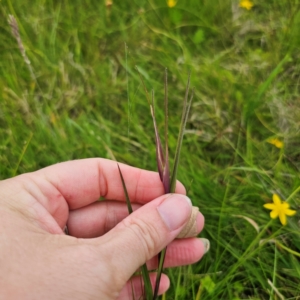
147, 234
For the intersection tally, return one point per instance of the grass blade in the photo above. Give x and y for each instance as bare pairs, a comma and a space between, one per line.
159, 150
166, 174
161, 258
14, 173
185, 113
144, 86
128, 100
129, 207
163, 158
145, 273
166, 183
132, 290
148, 292
166, 111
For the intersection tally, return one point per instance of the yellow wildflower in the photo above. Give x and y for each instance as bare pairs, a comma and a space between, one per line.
246, 4
276, 142
281, 209
171, 3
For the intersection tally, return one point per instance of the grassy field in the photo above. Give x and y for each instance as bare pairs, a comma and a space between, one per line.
76, 100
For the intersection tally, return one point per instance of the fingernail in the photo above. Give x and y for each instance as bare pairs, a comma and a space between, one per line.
206, 244
200, 222
175, 210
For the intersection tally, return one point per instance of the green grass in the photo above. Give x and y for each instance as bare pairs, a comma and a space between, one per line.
245, 68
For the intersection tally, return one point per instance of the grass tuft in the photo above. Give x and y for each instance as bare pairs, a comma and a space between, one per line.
245, 67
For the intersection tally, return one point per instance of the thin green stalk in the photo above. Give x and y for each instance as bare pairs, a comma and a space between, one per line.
145, 273
163, 158
185, 114
165, 178
159, 150
144, 86
128, 102
250, 251
132, 290
129, 207
295, 253
14, 173
161, 259
166, 173
166, 112
221, 218
274, 270
178, 286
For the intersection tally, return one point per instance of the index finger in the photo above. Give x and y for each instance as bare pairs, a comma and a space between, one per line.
82, 182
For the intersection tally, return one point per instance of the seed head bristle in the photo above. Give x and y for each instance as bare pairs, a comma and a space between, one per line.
16, 33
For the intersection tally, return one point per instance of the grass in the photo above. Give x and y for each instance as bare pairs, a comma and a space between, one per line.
245, 69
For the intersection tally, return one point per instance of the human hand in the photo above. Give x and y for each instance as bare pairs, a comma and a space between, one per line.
105, 246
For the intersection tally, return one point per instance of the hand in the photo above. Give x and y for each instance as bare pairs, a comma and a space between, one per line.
105, 246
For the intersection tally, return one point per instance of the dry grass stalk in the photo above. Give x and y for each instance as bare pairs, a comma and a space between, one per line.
16, 33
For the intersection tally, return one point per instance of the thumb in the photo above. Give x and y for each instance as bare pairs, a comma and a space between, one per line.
145, 233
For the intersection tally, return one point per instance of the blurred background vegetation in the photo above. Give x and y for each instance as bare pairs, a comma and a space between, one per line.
80, 97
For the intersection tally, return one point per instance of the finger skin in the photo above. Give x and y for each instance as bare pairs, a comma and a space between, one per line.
180, 253
133, 289
39, 265
142, 235
98, 218
75, 184
82, 182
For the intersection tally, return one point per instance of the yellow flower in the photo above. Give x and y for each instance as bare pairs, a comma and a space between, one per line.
246, 4
281, 209
276, 142
171, 3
